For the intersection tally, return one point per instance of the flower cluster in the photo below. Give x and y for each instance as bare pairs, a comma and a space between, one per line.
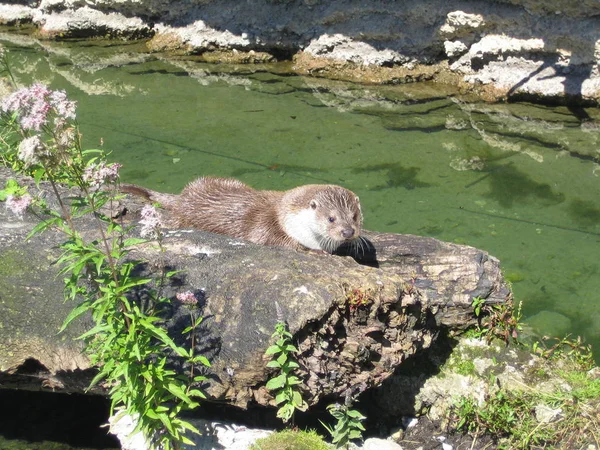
30, 150
18, 205
98, 174
150, 221
187, 298
34, 105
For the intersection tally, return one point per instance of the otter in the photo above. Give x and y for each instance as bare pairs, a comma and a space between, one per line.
315, 217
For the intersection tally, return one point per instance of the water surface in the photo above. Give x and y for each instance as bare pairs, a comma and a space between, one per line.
520, 181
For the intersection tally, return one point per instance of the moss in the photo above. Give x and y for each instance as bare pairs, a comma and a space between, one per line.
465, 367
514, 277
13, 263
291, 440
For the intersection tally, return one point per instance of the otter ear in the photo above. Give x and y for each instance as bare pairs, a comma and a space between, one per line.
313, 204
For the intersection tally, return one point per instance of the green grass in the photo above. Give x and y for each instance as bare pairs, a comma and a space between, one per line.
291, 440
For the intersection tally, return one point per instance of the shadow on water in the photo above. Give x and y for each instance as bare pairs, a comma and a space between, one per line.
584, 213
509, 185
395, 176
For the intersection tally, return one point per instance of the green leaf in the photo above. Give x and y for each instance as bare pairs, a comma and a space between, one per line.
276, 383
327, 427
299, 402
285, 412
196, 393
201, 359
355, 414
274, 364
281, 397
178, 392
132, 283
97, 329
354, 434
92, 151
293, 380
130, 242
75, 312
359, 425
172, 272
99, 376
166, 422
152, 414
272, 350
281, 359
291, 349
42, 226
190, 427
38, 174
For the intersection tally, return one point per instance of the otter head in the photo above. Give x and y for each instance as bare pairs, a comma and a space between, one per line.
324, 217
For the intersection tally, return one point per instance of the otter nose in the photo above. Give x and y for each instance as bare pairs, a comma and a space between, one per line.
348, 233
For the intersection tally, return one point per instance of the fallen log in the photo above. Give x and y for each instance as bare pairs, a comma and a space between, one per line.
355, 320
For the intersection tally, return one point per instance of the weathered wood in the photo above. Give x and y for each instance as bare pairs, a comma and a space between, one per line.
412, 287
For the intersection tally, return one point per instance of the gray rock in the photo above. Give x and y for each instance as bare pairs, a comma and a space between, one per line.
380, 444
545, 414
214, 435
420, 285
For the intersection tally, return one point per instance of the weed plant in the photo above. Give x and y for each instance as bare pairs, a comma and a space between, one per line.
128, 342
285, 383
347, 427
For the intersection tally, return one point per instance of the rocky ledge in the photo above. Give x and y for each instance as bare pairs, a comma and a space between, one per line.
353, 323
515, 49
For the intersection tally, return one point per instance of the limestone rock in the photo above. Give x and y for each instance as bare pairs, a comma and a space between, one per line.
516, 47
380, 444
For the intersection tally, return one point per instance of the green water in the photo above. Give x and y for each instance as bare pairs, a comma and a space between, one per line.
520, 181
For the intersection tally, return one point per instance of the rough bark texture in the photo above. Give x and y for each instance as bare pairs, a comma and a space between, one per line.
521, 48
411, 289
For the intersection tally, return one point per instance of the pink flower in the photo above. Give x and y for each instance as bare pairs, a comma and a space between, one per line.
98, 174
30, 150
63, 107
187, 298
150, 221
35, 103
18, 205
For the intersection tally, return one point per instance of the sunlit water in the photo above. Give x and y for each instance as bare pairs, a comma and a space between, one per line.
519, 181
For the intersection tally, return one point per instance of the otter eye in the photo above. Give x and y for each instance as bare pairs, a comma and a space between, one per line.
331, 219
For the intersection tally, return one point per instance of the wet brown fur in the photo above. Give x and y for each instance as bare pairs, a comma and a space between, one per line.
228, 206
